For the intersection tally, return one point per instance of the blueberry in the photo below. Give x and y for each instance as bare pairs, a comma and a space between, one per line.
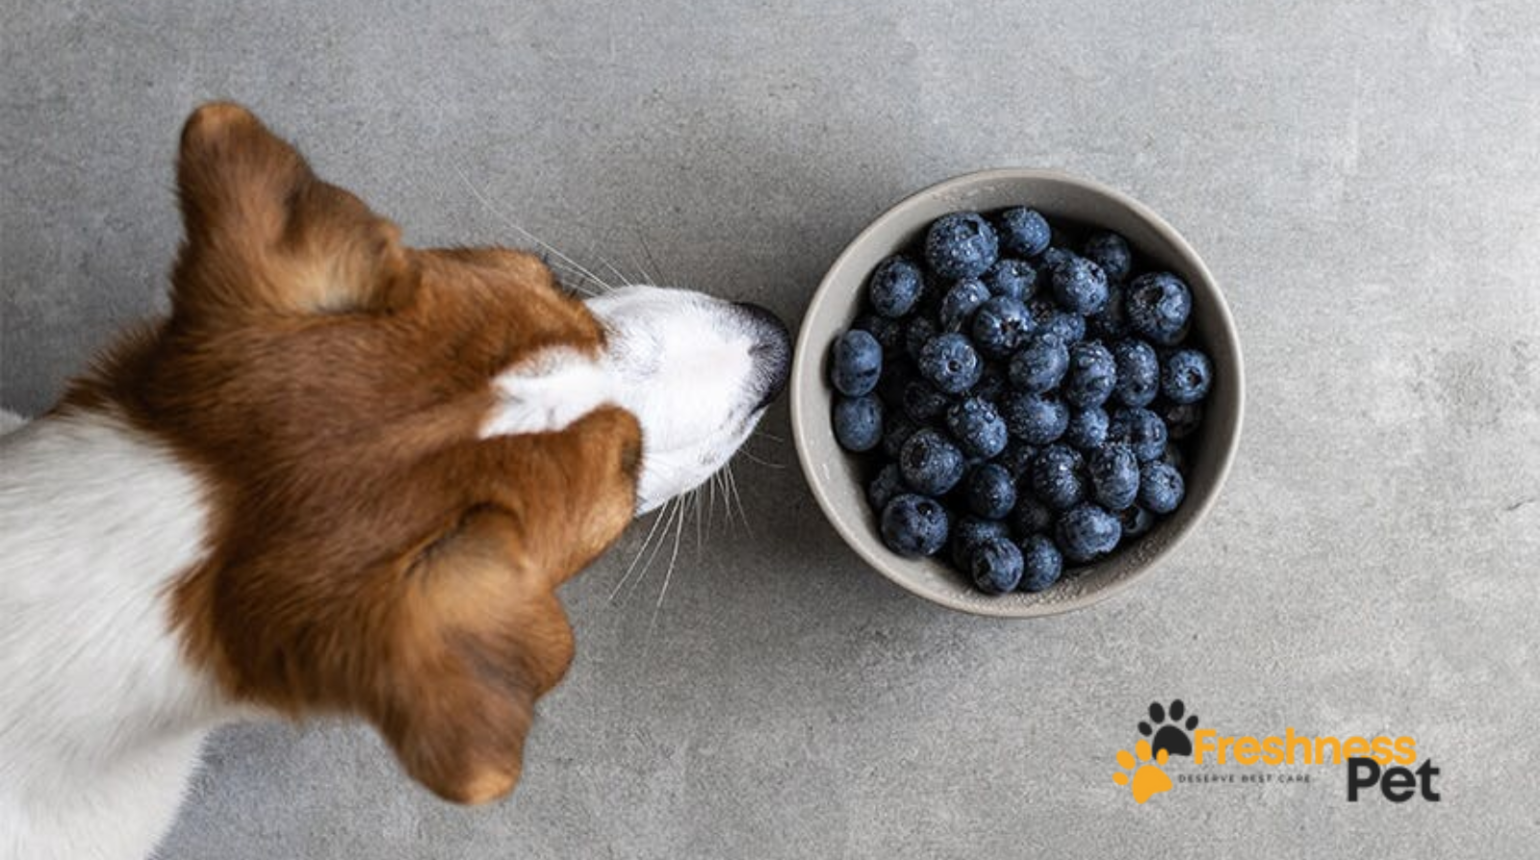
1136, 521
888, 332
1181, 418
1187, 377
999, 326
1138, 372
1158, 305
1087, 429
961, 245
857, 363
858, 422
1161, 487
1111, 252
1034, 418
960, 302
930, 463
1140, 429
1055, 477
949, 362
1114, 472
996, 565
922, 402
896, 430
991, 384
1024, 232
1040, 363
1092, 375
966, 534
1017, 458
1016, 279
884, 487
1079, 285
991, 491
1030, 516
914, 525
977, 427
1047, 317
1087, 532
1111, 322
895, 287
1041, 563
918, 332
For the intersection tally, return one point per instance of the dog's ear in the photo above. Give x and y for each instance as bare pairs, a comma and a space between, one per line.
481, 640
480, 635
265, 236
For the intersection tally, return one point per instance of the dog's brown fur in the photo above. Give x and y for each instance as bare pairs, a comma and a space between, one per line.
370, 553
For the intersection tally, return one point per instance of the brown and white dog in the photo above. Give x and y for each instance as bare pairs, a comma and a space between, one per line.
343, 475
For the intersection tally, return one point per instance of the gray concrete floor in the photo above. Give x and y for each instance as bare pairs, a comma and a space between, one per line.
1362, 177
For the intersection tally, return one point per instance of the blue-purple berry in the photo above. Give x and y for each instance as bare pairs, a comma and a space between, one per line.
1186, 377
1039, 364
895, 287
1087, 532
1042, 563
996, 565
914, 525
1091, 376
1158, 305
1024, 232
857, 363
991, 491
961, 245
1035, 419
1056, 478
950, 363
858, 422
930, 463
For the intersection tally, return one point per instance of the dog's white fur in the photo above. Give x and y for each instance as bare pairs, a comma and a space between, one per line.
101, 718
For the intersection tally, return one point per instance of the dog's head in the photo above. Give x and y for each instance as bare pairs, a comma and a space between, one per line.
406, 451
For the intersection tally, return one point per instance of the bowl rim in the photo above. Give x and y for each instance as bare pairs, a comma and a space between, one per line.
824, 295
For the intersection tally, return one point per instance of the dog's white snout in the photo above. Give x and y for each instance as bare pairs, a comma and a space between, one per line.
697, 372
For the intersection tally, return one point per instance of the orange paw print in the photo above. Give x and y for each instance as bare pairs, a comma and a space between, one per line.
1148, 779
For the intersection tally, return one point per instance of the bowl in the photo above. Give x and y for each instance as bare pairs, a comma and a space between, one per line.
836, 477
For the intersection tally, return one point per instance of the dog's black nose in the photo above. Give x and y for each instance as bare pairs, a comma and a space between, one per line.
771, 349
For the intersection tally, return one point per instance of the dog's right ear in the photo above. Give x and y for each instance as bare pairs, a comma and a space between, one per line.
265, 236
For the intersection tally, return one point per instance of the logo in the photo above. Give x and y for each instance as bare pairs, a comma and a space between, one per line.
1171, 732
1166, 739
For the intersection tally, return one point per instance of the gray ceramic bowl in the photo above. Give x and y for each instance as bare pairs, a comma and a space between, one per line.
836, 477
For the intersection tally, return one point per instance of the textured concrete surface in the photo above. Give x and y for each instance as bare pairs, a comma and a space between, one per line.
1362, 177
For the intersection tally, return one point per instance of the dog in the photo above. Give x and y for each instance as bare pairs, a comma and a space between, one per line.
342, 476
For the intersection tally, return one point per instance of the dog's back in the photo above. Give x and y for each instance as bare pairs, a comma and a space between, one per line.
95, 519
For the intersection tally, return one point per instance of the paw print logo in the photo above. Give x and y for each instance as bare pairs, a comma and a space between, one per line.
1169, 737
1144, 778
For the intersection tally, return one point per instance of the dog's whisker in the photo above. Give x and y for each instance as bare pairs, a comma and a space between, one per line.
647, 252
507, 221
732, 481
675, 510
766, 463
700, 532
656, 522
760, 433
668, 577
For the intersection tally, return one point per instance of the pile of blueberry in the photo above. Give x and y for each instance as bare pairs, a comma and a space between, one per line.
1024, 404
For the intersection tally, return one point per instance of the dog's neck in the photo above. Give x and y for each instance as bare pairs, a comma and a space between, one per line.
100, 714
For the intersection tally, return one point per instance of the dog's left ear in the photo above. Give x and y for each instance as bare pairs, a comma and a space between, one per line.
482, 639
265, 236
